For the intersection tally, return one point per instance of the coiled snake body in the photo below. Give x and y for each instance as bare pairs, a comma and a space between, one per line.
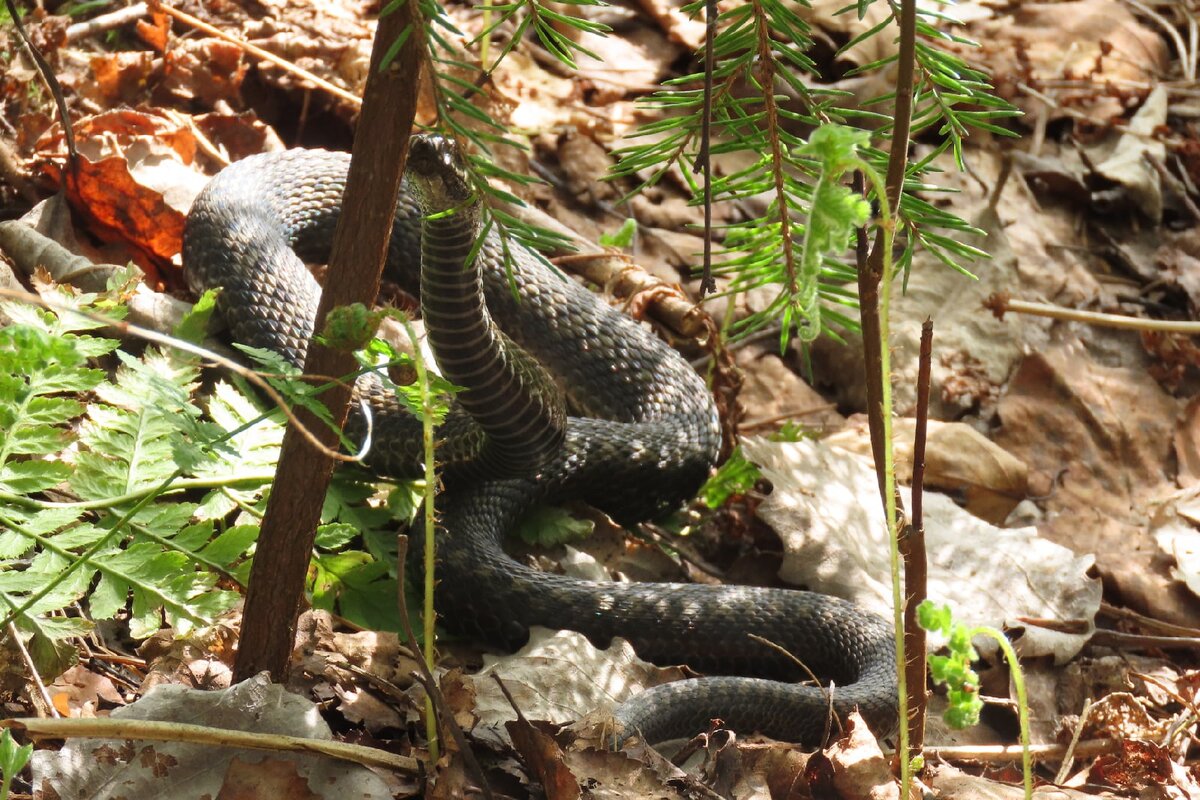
641, 436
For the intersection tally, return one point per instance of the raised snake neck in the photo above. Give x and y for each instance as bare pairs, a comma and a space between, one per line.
642, 436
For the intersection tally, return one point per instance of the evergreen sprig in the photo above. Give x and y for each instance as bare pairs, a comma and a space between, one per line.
457, 78
765, 92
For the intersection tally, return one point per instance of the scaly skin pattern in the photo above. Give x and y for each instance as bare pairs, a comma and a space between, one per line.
641, 437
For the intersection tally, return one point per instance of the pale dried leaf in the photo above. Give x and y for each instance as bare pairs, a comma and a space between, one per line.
825, 507
96, 768
559, 677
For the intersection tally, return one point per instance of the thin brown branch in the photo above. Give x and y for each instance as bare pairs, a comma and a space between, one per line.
359, 250
258, 52
765, 75
912, 550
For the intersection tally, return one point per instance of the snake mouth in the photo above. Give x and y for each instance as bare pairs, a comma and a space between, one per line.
438, 172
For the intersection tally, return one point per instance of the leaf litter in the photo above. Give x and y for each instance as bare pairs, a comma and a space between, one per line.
1090, 435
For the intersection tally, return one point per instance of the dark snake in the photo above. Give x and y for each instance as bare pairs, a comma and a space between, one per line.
641, 436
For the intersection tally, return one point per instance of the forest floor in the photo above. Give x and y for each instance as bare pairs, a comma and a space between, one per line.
1063, 467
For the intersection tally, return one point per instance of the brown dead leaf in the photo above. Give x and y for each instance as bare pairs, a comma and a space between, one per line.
782, 767
267, 778
635, 773
1097, 440
559, 677
1140, 764
632, 64
772, 394
855, 766
119, 78
116, 202
544, 758
238, 135
958, 459
137, 177
204, 660
1108, 46
949, 783
207, 71
1119, 715
679, 27
78, 692
155, 31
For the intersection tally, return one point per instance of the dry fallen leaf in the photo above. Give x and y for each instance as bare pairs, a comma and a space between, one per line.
958, 459
110, 769
1083, 46
559, 677
825, 507
1098, 443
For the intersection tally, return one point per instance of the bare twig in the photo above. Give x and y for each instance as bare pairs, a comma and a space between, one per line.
33, 671
703, 163
1039, 752
47, 73
258, 52
828, 690
912, 550
1001, 304
156, 731
106, 22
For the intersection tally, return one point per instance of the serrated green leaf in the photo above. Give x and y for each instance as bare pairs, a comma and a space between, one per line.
231, 545
31, 477
548, 526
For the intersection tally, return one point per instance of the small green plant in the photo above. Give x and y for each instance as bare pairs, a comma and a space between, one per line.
13, 759
955, 671
622, 237
92, 466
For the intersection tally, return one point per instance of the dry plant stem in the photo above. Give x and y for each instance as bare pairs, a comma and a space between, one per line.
156, 731
437, 703
1134, 641
1089, 748
47, 73
1148, 623
33, 671
765, 75
912, 550
106, 22
704, 158
359, 249
827, 690
265, 55
1064, 768
1001, 305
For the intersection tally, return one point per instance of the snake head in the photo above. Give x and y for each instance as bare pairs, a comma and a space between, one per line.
437, 173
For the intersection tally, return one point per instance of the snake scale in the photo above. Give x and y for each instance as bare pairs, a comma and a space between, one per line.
636, 435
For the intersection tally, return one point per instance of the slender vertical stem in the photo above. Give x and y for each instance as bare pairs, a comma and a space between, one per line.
429, 493
875, 280
912, 549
